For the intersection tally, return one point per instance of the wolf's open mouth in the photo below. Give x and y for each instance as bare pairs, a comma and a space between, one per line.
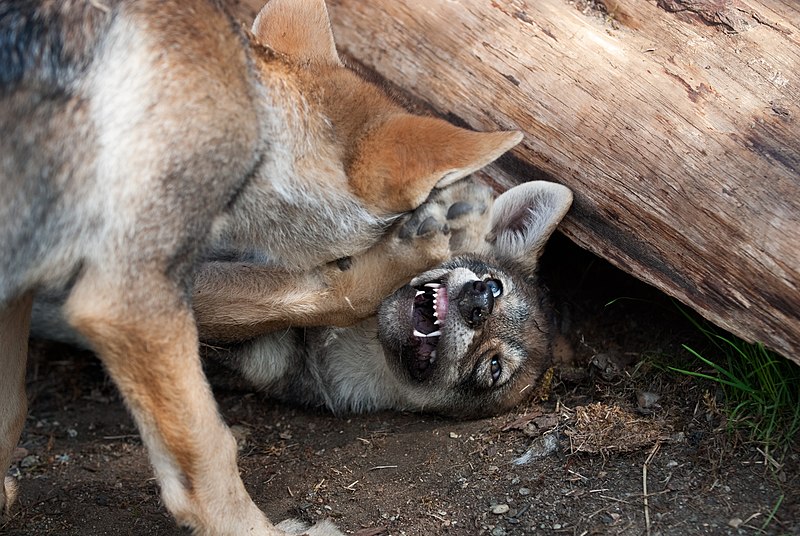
430, 309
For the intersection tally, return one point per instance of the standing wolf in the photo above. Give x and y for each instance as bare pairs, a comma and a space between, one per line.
137, 135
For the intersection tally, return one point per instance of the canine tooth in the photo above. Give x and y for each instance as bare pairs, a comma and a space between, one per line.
426, 335
433, 285
437, 322
419, 293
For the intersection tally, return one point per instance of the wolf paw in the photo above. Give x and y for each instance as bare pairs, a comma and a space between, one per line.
296, 527
459, 211
7, 495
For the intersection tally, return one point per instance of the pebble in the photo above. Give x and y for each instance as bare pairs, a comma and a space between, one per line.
646, 399
30, 460
540, 447
499, 509
498, 531
524, 491
735, 523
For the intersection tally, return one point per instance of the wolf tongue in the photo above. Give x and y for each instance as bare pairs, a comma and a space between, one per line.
426, 348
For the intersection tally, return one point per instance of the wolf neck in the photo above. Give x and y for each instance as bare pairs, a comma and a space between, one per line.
300, 178
342, 369
352, 371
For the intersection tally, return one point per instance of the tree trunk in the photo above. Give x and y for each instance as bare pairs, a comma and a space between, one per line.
675, 122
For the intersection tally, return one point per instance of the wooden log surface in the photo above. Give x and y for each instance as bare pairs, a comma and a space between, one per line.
675, 122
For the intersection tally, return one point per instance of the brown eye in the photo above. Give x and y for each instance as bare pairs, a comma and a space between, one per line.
495, 368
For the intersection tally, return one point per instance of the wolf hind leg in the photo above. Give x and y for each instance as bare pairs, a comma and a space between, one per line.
14, 324
452, 221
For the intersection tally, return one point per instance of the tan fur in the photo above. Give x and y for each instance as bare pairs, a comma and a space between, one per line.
13, 402
173, 132
406, 357
310, 41
398, 152
235, 302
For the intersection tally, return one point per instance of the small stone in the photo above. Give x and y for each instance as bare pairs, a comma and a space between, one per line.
557, 526
29, 461
646, 399
454, 435
524, 491
498, 531
540, 448
735, 523
72, 433
499, 509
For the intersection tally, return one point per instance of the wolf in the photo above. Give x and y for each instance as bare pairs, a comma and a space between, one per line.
467, 338
141, 136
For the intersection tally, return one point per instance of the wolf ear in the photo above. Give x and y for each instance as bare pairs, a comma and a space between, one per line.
399, 163
301, 29
524, 217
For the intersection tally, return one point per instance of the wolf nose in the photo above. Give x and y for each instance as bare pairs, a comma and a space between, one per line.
475, 302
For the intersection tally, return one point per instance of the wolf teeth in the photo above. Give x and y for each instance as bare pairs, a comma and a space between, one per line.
427, 335
433, 285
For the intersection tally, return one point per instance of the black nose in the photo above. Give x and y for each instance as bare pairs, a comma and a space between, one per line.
475, 302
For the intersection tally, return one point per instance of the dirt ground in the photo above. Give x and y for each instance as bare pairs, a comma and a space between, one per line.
620, 447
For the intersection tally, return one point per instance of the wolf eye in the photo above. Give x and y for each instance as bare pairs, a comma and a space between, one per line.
495, 286
495, 368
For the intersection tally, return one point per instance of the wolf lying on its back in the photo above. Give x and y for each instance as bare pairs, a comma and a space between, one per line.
464, 339
137, 132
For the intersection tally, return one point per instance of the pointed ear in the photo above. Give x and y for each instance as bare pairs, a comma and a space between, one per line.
398, 163
301, 29
523, 218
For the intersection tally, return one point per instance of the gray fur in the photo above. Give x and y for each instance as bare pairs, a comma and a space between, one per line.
362, 368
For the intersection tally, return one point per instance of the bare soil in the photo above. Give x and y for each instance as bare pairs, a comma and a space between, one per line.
620, 447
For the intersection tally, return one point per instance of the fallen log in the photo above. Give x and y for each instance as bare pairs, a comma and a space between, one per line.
675, 122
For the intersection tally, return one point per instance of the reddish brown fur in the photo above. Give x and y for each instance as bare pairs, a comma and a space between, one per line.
159, 134
394, 156
238, 302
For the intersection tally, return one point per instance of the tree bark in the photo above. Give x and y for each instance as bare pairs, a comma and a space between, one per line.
675, 122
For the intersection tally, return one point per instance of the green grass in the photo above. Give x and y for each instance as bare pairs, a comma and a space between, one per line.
761, 388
